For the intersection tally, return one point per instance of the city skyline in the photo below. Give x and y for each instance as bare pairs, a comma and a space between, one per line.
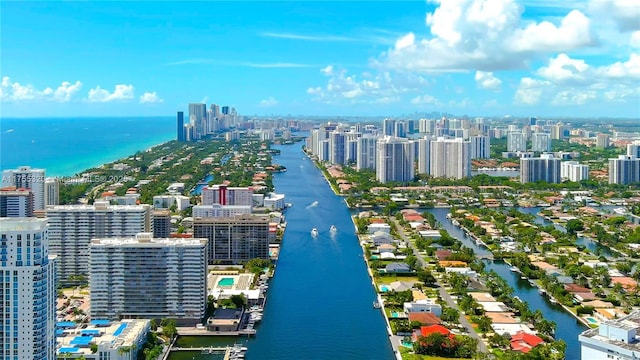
537, 58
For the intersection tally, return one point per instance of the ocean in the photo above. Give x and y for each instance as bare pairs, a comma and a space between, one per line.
67, 146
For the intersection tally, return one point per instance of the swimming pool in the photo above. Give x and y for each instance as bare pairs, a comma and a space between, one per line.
384, 289
120, 329
226, 282
592, 320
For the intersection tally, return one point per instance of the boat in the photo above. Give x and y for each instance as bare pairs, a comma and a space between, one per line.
552, 300
376, 305
514, 269
333, 228
314, 232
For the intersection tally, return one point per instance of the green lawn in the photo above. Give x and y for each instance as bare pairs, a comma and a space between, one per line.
391, 278
405, 352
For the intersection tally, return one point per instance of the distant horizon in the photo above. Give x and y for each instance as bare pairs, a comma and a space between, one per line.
572, 59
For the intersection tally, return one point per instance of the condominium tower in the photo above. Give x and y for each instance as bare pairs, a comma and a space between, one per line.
16, 202
233, 240
624, 170
543, 168
145, 277
394, 160
25, 177
450, 158
71, 228
28, 291
366, 152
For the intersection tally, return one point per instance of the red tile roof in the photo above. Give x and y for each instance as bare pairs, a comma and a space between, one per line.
524, 342
427, 330
424, 318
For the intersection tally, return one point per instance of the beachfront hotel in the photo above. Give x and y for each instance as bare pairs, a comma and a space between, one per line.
28, 291
233, 240
144, 277
71, 228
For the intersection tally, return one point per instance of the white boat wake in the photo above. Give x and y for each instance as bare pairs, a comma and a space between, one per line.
313, 204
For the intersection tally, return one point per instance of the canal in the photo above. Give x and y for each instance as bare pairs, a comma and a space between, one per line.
568, 327
319, 303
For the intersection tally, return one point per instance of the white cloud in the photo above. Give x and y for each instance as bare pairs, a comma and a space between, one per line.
487, 80
573, 97
484, 35
624, 13
150, 98
121, 92
269, 102
530, 91
382, 88
15, 92
425, 100
563, 69
328, 70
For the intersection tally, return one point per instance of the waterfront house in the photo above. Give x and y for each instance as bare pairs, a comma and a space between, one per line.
430, 234
225, 320
428, 330
443, 254
379, 238
424, 318
382, 227
493, 306
524, 342
398, 268
400, 286
426, 305
502, 317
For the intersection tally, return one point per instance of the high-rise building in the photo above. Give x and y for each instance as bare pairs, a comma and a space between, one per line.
25, 177
424, 155
602, 141
16, 202
51, 191
145, 277
161, 224
634, 149
225, 110
574, 171
180, 127
337, 144
366, 152
223, 195
71, 228
624, 170
28, 291
450, 158
388, 127
233, 240
541, 142
480, 147
516, 141
557, 132
543, 168
400, 129
198, 119
426, 126
217, 210
613, 339
394, 160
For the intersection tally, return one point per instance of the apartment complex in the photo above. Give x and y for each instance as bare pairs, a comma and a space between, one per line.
71, 228
25, 177
28, 291
615, 339
394, 160
144, 277
223, 195
16, 202
234, 239
543, 168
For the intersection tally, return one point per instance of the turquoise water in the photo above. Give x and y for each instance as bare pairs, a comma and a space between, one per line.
66, 146
225, 282
384, 289
120, 329
592, 320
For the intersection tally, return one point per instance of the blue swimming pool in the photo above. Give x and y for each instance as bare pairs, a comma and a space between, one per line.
592, 320
120, 329
384, 288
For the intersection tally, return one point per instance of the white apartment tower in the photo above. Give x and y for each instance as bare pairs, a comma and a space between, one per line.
424, 155
451, 158
394, 160
516, 141
426, 126
480, 147
71, 228
574, 171
25, 177
143, 277
51, 191
366, 152
28, 291
541, 142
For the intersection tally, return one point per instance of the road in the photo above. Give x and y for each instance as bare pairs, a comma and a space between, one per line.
482, 347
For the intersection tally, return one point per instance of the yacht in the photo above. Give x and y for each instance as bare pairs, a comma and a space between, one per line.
314, 232
333, 228
376, 305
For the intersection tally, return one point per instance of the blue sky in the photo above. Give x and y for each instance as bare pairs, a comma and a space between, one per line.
476, 57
